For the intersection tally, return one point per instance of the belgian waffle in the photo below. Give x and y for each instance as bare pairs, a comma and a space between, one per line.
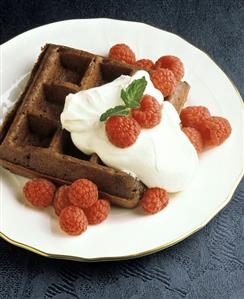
32, 142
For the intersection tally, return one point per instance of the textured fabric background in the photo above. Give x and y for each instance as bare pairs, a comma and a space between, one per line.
209, 264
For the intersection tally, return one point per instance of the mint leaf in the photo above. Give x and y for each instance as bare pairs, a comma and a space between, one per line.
118, 110
131, 96
134, 92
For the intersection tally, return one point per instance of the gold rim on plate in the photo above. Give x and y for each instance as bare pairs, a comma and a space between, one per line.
164, 246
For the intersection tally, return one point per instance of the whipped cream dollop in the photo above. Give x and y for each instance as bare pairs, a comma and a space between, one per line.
161, 157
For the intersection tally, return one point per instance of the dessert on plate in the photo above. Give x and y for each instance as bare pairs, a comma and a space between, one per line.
109, 127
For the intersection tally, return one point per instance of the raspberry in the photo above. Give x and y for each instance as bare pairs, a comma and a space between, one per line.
61, 199
83, 193
39, 192
154, 200
98, 212
214, 130
195, 138
191, 116
122, 131
149, 113
122, 52
172, 63
73, 221
145, 64
164, 80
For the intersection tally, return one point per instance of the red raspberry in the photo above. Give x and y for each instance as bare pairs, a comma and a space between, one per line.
214, 130
149, 113
39, 192
83, 193
195, 138
122, 131
122, 52
164, 80
172, 63
145, 64
61, 199
192, 115
98, 212
73, 221
154, 200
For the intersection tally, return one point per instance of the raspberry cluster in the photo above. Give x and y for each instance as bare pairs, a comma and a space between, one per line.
76, 205
164, 73
122, 130
202, 129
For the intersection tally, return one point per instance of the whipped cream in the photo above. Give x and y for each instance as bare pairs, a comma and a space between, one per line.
161, 157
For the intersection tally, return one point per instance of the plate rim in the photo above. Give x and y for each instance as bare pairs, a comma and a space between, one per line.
158, 248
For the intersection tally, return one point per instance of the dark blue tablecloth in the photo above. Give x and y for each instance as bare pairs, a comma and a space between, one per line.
209, 264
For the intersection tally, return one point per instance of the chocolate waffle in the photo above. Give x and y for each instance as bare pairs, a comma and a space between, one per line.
32, 142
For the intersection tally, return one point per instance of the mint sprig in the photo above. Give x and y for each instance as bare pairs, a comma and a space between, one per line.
131, 96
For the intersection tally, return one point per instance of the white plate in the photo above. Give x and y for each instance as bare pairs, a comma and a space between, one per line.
126, 233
